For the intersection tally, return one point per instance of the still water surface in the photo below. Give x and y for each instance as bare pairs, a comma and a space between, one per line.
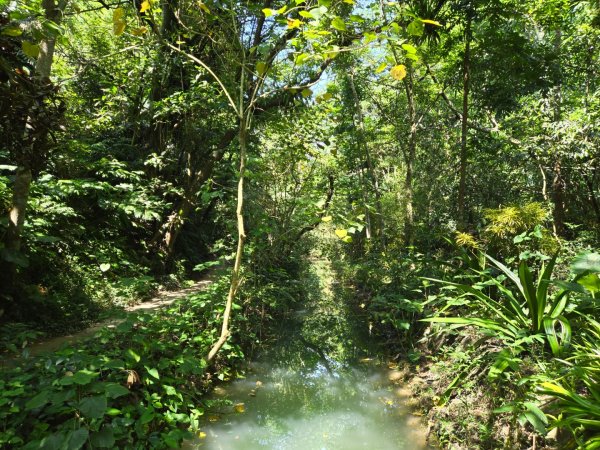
323, 405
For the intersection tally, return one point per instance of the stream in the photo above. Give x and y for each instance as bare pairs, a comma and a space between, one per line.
321, 387
316, 406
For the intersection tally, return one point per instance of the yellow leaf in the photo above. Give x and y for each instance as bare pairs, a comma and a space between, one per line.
347, 239
139, 31
327, 219
555, 388
350, 2
119, 27
239, 408
202, 435
306, 93
398, 72
30, 49
203, 7
145, 6
293, 23
268, 12
118, 13
431, 22
341, 233
327, 96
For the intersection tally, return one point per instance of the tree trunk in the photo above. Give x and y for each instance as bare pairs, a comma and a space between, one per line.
462, 187
235, 274
558, 182
32, 139
409, 156
373, 180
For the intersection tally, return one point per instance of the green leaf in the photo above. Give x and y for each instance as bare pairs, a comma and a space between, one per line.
381, 67
338, 23
306, 93
133, 355
416, 28
115, 390
77, 439
591, 282
261, 68
84, 377
306, 14
93, 407
586, 262
409, 48
104, 438
12, 31
104, 267
153, 372
39, 400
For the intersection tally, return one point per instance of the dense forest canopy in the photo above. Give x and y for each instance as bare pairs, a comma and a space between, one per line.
444, 154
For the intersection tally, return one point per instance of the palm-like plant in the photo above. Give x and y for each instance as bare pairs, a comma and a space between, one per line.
524, 308
578, 404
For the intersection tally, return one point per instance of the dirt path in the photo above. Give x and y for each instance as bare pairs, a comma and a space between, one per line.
163, 299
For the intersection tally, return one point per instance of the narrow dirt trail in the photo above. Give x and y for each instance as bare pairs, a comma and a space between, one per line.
161, 300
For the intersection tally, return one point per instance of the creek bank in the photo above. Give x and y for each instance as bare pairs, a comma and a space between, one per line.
461, 417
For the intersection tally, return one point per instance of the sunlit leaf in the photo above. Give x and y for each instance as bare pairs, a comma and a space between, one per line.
431, 22
398, 72
153, 372
133, 355
12, 31
203, 7
239, 407
341, 233
339, 24
409, 48
139, 31
119, 27
145, 6
30, 49
293, 23
327, 219
381, 67
118, 14
415, 28
306, 14
268, 12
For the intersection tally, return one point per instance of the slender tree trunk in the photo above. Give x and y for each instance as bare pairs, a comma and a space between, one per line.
409, 156
235, 274
589, 181
462, 187
558, 182
558, 188
31, 138
373, 179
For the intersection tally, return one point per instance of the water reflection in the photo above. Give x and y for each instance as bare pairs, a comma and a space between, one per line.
322, 405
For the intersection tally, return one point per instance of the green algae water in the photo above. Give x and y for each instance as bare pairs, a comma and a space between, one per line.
320, 387
322, 406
